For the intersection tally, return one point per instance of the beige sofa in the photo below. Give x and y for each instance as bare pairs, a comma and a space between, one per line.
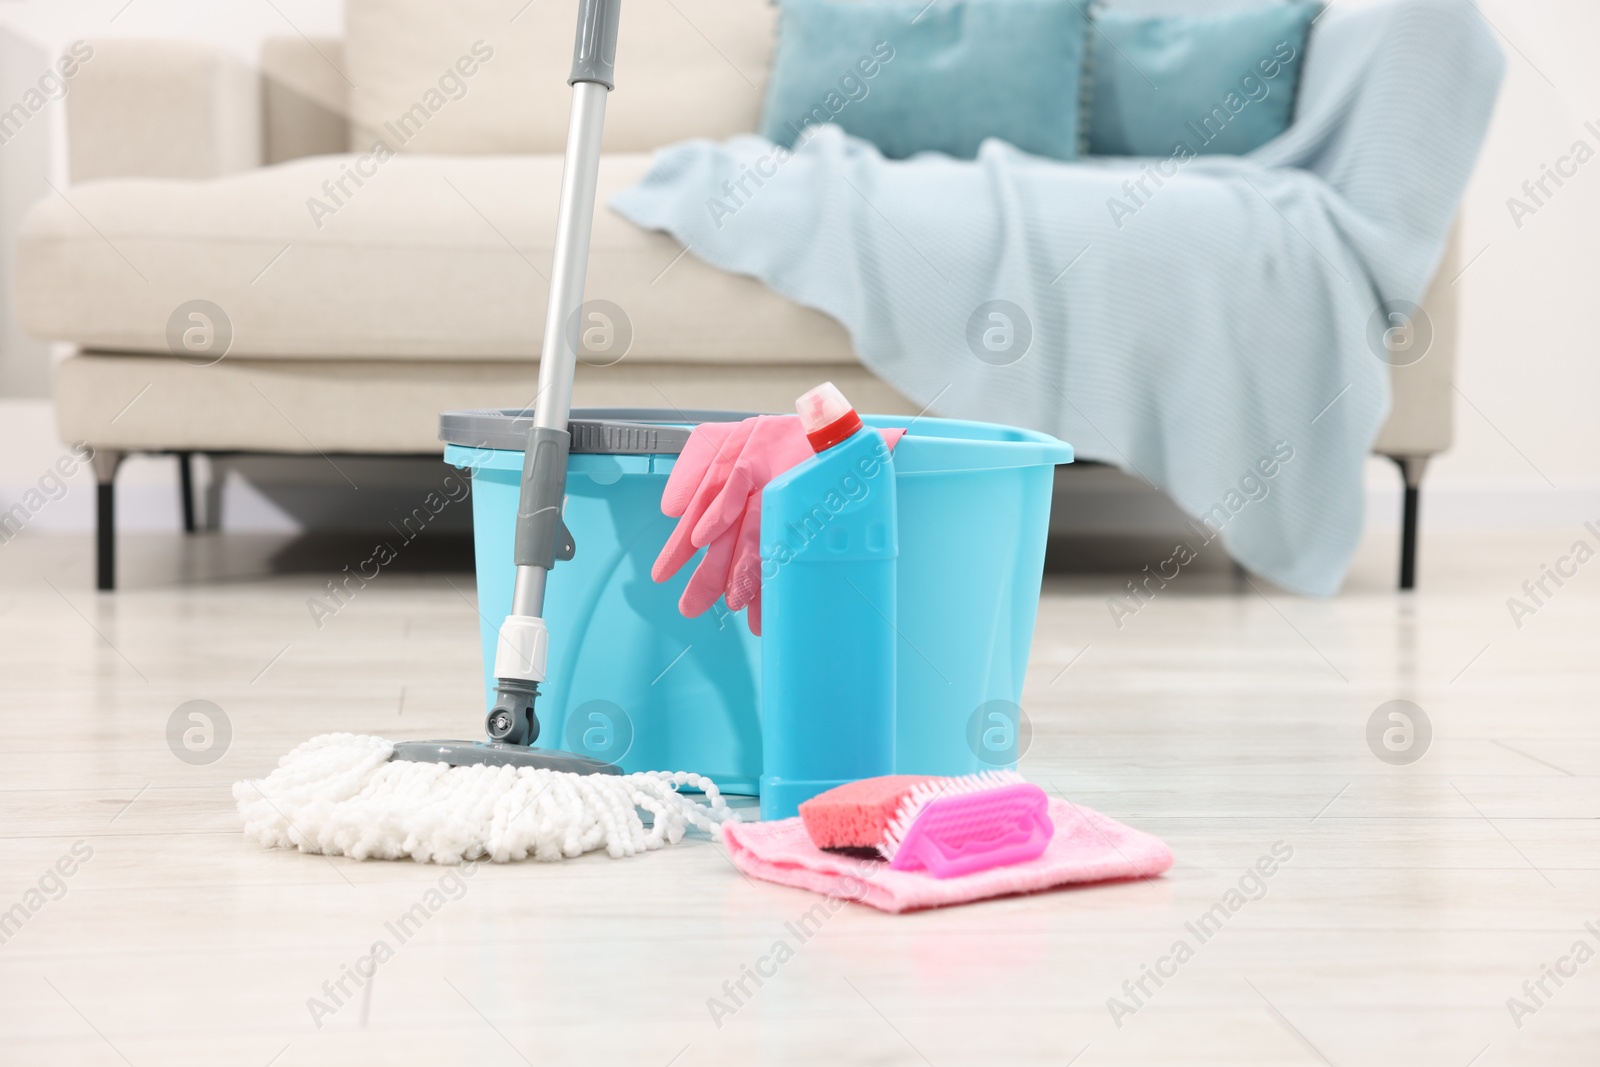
352, 295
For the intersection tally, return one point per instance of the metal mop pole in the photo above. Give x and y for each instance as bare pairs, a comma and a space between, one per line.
542, 537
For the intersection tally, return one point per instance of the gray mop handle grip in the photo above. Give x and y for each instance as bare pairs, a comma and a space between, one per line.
542, 536
594, 53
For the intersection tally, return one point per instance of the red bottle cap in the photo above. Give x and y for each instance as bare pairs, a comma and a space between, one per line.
826, 416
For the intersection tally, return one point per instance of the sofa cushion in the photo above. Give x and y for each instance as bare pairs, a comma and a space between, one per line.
134, 403
685, 68
432, 257
1210, 83
912, 77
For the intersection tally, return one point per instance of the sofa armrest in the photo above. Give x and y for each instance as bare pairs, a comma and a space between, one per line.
162, 109
305, 98
1422, 415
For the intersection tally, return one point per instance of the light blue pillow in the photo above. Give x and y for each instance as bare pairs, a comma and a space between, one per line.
940, 77
1216, 84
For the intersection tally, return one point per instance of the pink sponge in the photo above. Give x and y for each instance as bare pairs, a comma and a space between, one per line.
856, 814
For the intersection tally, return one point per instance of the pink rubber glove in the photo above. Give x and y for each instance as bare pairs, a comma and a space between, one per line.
775, 444
692, 486
715, 491
711, 488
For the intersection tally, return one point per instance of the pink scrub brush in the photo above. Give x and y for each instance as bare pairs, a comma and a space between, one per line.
944, 826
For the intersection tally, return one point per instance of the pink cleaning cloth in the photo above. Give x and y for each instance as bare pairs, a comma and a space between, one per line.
1087, 847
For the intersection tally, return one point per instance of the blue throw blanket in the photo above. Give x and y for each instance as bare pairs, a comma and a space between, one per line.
1211, 324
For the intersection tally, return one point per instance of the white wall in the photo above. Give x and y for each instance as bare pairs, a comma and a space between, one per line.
238, 25
1530, 361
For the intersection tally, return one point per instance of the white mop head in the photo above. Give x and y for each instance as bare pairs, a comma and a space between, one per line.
338, 794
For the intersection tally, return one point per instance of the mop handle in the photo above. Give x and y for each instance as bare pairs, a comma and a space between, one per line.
541, 537
593, 55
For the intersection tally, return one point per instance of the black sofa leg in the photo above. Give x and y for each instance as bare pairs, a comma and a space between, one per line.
186, 489
1411, 468
105, 533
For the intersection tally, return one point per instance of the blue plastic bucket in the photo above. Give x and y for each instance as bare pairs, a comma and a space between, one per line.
633, 681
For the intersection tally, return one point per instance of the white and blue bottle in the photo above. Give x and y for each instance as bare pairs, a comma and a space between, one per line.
829, 549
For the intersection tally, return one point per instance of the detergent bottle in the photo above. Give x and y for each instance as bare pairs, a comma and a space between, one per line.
829, 549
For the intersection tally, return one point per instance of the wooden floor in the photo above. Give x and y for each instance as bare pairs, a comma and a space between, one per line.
1229, 719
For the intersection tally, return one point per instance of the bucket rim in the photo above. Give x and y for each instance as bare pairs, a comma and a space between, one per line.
595, 430
967, 444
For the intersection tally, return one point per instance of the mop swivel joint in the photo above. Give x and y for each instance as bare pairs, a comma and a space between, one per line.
519, 667
512, 720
